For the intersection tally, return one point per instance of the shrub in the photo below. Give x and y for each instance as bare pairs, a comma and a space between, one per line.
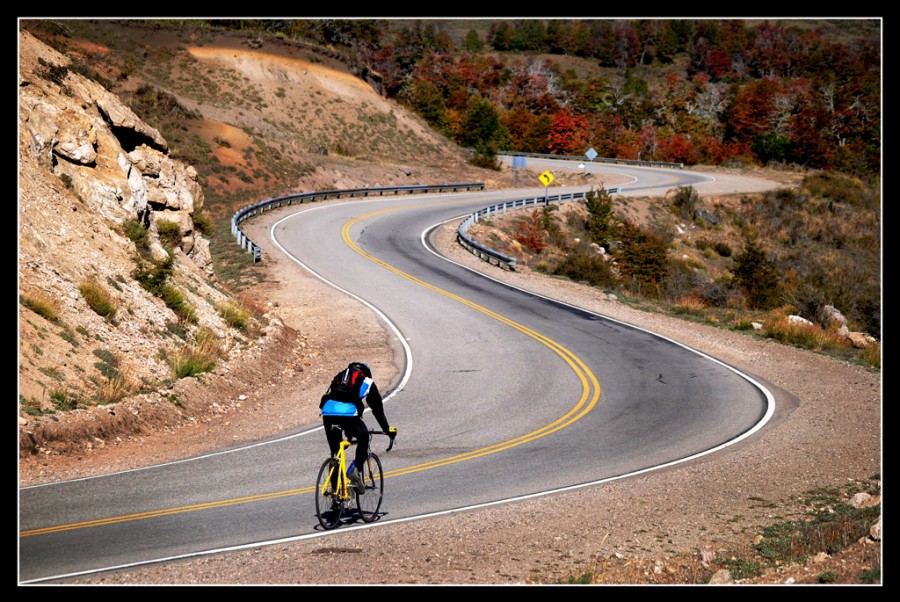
198, 358
169, 233
690, 305
643, 257
682, 279
828, 531
685, 201
530, 232
600, 223
580, 266
136, 232
98, 299
42, 304
755, 275
723, 249
62, 402
52, 73
174, 300
872, 575
114, 390
109, 364
234, 314
871, 355
203, 222
30, 406
152, 276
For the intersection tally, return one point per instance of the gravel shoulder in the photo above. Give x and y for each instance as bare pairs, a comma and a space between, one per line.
661, 527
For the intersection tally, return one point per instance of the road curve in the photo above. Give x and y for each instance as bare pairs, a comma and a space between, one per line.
505, 395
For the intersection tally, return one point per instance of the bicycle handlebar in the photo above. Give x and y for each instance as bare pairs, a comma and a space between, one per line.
392, 433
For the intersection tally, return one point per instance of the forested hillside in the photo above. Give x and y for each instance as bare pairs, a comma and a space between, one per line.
718, 92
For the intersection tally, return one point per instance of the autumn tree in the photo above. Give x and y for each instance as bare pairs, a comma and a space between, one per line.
568, 134
530, 133
530, 232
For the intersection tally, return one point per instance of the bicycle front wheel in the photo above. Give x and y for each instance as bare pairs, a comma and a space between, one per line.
369, 502
328, 504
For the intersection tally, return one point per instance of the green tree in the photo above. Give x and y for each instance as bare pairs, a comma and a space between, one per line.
426, 99
472, 42
599, 223
755, 276
643, 258
481, 128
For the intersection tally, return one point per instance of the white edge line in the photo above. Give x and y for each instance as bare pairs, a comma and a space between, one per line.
770, 400
380, 524
769, 412
396, 390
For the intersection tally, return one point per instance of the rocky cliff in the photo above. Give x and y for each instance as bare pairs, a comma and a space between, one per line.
115, 277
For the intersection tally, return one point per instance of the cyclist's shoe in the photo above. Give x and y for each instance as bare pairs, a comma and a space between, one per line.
356, 478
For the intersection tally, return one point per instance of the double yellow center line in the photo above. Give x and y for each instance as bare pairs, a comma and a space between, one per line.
589, 398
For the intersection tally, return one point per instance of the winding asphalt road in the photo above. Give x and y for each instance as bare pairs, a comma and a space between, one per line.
504, 395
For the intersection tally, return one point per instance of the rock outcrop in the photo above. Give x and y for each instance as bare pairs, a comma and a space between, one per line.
90, 169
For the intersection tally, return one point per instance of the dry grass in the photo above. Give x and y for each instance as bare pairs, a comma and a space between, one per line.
780, 327
42, 304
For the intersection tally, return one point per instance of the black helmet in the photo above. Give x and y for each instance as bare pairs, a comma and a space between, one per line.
362, 366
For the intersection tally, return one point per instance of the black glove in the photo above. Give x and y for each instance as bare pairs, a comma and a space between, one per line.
392, 432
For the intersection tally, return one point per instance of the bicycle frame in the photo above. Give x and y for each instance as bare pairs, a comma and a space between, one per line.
343, 491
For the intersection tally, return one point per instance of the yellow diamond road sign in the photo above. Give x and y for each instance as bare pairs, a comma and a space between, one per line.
546, 178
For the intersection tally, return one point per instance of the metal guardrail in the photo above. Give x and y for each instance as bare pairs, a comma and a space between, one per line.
308, 197
495, 257
595, 160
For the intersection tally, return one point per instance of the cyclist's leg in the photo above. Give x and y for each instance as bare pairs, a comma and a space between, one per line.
334, 437
360, 431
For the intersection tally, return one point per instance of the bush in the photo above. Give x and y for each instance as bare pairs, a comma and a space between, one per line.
203, 222
136, 232
234, 314
581, 266
755, 275
98, 299
723, 249
530, 232
198, 358
114, 390
109, 364
600, 223
169, 233
685, 202
174, 300
871, 355
152, 276
643, 258
62, 401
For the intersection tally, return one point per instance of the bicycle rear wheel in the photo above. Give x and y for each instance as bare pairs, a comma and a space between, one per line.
369, 502
328, 504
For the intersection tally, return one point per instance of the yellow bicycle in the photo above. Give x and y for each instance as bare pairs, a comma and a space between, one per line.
335, 492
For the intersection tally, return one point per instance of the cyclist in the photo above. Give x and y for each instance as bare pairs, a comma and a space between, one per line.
342, 405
